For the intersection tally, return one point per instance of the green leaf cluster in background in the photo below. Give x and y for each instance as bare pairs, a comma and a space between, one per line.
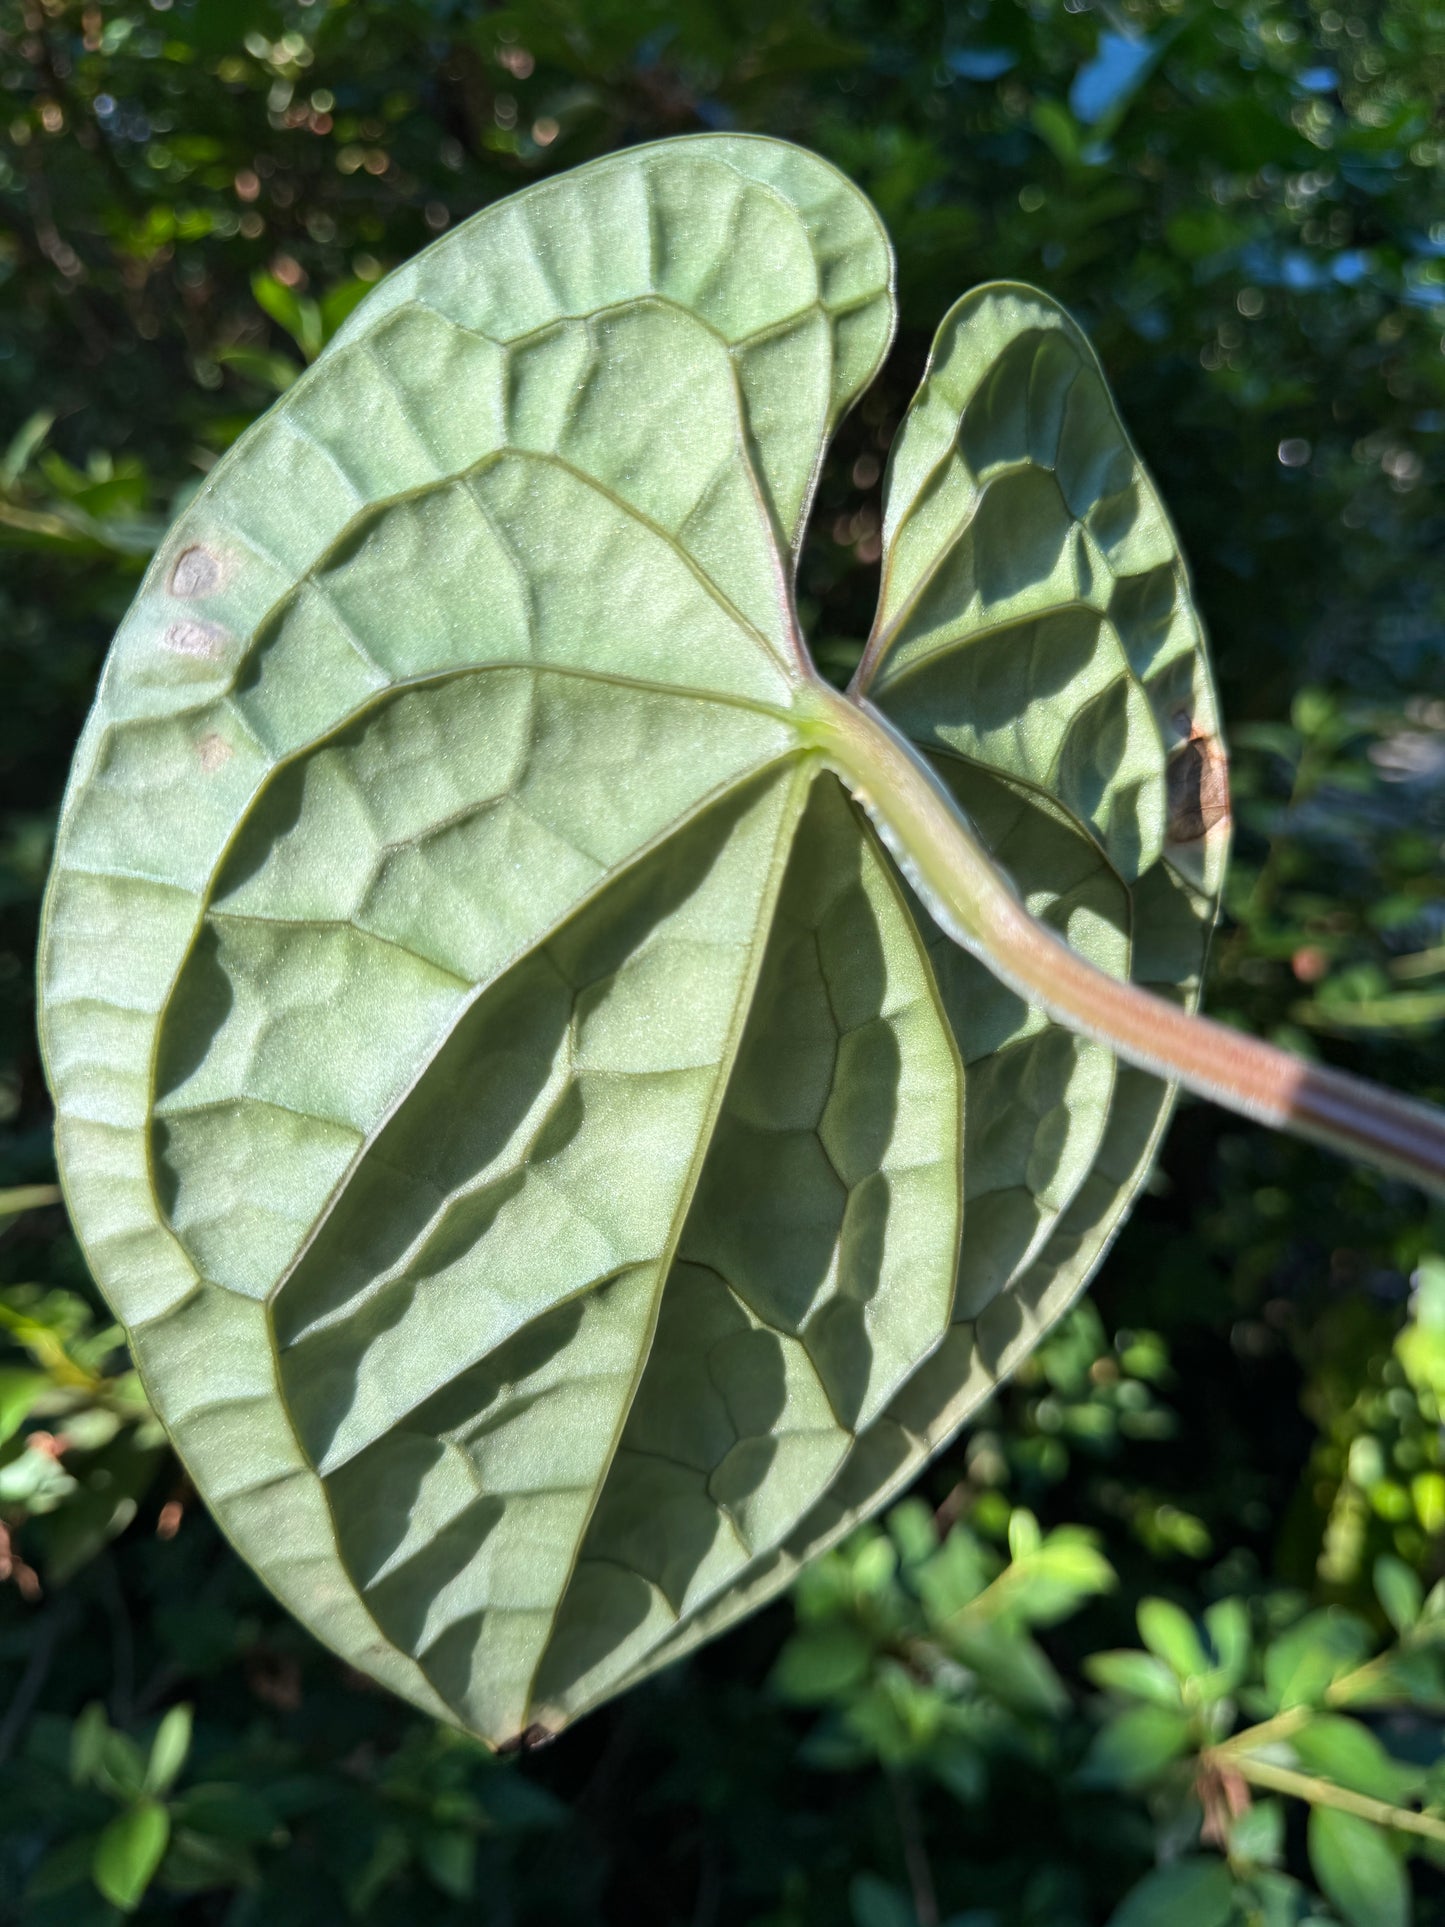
1240, 208
920, 1654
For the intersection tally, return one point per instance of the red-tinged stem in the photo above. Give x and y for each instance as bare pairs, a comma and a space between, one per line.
976, 904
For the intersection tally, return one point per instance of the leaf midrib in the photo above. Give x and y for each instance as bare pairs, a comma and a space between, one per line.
808, 769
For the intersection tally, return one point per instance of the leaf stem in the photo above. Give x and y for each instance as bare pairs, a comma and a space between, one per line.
976, 904
20, 1198
1283, 1725
1324, 1793
915, 1853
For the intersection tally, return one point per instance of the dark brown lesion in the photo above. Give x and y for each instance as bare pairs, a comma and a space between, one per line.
1197, 784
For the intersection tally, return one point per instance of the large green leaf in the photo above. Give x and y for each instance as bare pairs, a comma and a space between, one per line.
511, 1097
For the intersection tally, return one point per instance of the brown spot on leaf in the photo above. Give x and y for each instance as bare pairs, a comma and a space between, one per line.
214, 752
192, 638
197, 572
1197, 785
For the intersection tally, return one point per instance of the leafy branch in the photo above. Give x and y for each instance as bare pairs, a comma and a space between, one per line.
921, 1654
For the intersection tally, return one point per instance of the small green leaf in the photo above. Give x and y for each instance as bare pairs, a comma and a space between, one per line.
168, 1750
19, 1389
1055, 125
822, 1663
955, 1575
1344, 1751
1196, 1892
1227, 1624
1135, 1747
449, 1855
300, 317
129, 1851
1024, 1536
1051, 1581
1399, 1591
1415, 1673
87, 1743
911, 1528
1303, 1663
1135, 1676
275, 372
16, 459
226, 1812
340, 301
1009, 1664
874, 1564
1055, 1579
1171, 1635
1269, 1898
1257, 1834
390, 1853
1358, 1869
120, 1766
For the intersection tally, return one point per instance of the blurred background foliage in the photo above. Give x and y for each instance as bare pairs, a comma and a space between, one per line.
1159, 1640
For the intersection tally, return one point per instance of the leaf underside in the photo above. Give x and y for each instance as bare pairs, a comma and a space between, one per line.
554, 1175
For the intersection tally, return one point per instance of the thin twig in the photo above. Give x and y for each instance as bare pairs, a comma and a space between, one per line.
915, 1853
32, 1681
1324, 1793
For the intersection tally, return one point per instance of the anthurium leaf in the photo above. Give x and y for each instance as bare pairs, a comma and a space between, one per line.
509, 1094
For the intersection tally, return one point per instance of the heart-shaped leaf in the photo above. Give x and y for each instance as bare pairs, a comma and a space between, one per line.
555, 1175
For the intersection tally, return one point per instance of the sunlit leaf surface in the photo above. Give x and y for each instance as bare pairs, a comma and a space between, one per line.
554, 1175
